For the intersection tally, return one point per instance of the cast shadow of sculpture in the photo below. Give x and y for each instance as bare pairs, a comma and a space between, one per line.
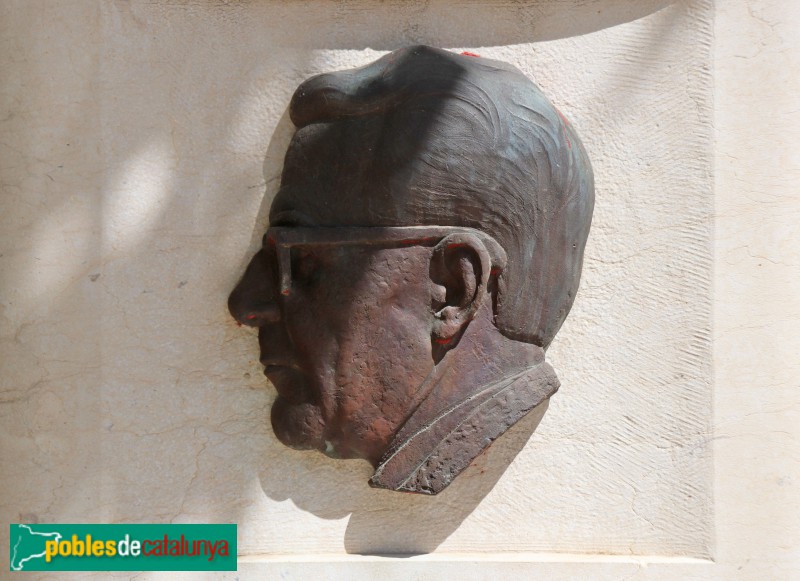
423, 250
414, 524
383, 522
388, 26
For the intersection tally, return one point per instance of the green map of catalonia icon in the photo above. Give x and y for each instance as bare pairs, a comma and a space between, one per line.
27, 544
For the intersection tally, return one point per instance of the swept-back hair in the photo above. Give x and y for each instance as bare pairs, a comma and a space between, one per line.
454, 140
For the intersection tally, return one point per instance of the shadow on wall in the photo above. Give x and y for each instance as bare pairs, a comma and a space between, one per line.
448, 23
384, 522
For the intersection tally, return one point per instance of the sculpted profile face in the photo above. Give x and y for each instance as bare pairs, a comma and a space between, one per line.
424, 248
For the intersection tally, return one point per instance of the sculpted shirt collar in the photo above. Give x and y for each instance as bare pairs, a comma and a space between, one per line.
436, 444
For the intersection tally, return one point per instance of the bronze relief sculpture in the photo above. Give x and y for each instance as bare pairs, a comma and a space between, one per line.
424, 248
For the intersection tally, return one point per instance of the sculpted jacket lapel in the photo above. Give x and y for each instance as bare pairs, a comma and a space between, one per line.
434, 446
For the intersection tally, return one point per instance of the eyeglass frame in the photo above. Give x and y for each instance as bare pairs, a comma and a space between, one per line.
283, 238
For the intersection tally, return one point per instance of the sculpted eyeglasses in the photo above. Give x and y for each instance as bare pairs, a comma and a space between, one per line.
283, 238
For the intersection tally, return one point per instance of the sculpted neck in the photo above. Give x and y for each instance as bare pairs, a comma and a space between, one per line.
483, 356
480, 388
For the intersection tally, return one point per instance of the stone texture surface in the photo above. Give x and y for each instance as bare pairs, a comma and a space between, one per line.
133, 176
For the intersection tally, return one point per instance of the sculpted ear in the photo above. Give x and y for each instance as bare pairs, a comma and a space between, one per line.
460, 269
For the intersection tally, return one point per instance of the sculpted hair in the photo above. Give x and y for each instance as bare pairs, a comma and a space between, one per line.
455, 140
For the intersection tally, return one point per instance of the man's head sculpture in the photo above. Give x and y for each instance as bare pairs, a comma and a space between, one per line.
424, 248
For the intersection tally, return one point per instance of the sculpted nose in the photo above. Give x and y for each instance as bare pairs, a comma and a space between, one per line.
252, 302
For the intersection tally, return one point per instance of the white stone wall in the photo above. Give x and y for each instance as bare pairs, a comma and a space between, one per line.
140, 146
